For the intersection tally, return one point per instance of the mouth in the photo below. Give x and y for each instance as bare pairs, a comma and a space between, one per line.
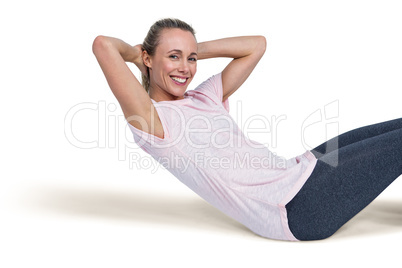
178, 80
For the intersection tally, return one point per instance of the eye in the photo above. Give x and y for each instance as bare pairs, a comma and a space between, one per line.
173, 57
192, 59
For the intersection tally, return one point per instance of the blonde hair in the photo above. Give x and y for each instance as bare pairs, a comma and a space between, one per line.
151, 41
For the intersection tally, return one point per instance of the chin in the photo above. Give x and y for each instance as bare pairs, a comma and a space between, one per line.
179, 90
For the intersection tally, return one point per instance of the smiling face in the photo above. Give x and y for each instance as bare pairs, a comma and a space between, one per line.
173, 66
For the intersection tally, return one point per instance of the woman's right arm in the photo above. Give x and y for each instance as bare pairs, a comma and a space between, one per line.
112, 55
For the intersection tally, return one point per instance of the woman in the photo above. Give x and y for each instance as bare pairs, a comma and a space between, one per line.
192, 135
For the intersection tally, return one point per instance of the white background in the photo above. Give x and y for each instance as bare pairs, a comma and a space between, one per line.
63, 205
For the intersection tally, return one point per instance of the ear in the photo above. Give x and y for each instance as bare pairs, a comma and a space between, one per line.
146, 58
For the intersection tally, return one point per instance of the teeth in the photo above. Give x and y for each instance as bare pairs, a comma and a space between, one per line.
180, 80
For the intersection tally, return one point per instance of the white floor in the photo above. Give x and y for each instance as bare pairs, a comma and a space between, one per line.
131, 223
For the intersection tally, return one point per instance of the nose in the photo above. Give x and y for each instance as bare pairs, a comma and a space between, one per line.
184, 67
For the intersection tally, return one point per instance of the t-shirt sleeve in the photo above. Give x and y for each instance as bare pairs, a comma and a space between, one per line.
146, 140
213, 88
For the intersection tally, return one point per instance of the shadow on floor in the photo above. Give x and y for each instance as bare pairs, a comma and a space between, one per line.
149, 208
380, 217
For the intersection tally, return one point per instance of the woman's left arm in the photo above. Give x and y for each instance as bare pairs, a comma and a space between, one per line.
246, 52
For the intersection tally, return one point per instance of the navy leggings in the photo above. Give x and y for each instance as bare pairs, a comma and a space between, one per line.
351, 171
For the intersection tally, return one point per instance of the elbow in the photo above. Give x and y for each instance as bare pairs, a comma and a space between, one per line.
99, 43
261, 45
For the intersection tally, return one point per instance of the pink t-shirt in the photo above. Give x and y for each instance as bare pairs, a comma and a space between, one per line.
205, 149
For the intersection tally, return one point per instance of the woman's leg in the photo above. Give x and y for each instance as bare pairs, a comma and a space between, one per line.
356, 135
334, 194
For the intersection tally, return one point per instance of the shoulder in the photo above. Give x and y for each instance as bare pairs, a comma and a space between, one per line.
213, 89
212, 86
213, 81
